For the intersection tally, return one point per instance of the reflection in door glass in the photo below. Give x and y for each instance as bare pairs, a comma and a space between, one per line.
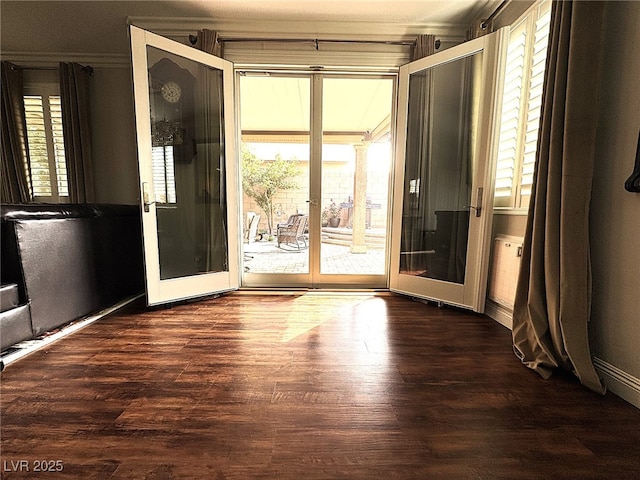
188, 165
441, 129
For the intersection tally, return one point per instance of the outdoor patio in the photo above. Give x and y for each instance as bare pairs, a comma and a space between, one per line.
267, 257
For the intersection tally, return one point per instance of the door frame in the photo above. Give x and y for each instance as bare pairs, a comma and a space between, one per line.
472, 293
314, 278
176, 289
168, 290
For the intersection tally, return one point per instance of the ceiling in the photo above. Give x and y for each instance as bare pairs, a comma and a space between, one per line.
93, 26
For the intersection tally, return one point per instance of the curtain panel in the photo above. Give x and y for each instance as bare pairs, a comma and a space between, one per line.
76, 124
553, 296
15, 156
425, 46
419, 129
211, 164
209, 41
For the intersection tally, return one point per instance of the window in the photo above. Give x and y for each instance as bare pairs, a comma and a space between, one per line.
521, 103
47, 169
164, 180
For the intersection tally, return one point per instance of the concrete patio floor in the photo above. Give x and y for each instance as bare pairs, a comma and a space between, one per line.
267, 257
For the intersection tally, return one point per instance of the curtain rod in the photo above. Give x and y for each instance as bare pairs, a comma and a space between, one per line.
84, 68
14, 66
39, 68
495, 13
316, 41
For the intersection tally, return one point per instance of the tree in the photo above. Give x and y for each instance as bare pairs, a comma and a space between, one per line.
262, 180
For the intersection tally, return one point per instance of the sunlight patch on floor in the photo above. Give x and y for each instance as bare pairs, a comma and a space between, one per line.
300, 321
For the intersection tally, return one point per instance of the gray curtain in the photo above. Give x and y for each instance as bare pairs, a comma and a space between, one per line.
425, 46
475, 30
211, 161
553, 297
209, 41
15, 156
419, 129
76, 123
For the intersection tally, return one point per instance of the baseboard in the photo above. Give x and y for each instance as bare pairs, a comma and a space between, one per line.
501, 314
27, 347
619, 382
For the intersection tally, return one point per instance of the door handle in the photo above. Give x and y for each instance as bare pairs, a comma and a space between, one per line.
313, 202
478, 206
145, 197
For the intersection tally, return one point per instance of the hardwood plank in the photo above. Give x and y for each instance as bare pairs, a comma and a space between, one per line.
305, 386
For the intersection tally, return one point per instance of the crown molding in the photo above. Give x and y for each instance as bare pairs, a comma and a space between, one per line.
280, 29
255, 52
257, 42
52, 59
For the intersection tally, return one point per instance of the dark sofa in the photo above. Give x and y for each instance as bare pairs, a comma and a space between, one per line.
65, 262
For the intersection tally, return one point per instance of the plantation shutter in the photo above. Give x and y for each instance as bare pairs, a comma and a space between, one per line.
38, 149
512, 98
164, 182
522, 102
534, 103
55, 110
46, 146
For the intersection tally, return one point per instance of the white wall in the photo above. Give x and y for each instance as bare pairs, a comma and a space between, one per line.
615, 213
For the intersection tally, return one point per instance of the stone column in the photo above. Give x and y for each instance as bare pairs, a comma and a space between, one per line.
358, 244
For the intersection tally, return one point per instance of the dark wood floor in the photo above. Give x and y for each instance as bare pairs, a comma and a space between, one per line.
304, 387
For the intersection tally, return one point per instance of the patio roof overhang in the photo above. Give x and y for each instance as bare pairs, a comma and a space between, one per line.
328, 137
278, 110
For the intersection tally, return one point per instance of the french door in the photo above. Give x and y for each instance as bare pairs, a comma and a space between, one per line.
185, 127
331, 134
447, 124
445, 144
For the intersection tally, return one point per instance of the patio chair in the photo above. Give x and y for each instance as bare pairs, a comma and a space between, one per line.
289, 222
251, 228
250, 232
293, 235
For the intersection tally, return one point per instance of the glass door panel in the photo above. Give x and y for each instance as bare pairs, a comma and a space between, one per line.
187, 169
356, 164
188, 182
327, 141
438, 170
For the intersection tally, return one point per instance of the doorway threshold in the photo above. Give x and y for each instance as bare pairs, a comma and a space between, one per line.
313, 291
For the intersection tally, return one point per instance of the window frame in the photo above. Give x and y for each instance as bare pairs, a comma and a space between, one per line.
164, 188
517, 202
45, 89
